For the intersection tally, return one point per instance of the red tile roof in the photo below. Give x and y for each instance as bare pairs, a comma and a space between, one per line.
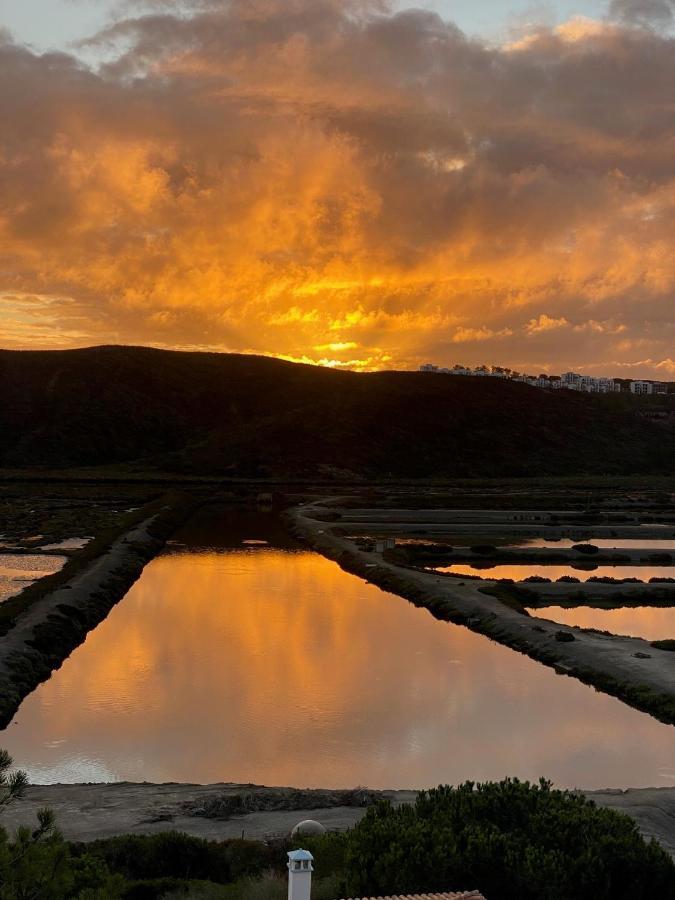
464, 895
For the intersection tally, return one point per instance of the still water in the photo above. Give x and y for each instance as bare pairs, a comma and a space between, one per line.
520, 571
655, 545
20, 569
648, 622
234, 661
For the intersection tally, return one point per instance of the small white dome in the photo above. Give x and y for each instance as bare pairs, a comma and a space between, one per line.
308, 826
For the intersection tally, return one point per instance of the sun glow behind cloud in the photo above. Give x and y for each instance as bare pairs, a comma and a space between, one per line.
340, 183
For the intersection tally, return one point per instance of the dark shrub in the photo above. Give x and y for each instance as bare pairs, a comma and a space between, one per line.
173, 854
564, 637
483, 549
155, 889
667, 644
569, 579
585, 548
660, 558
511, 841
536, 579
329, 851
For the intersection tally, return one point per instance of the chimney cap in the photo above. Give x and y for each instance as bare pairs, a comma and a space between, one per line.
299, 855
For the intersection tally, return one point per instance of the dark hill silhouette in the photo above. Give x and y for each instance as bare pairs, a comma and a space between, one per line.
245, 415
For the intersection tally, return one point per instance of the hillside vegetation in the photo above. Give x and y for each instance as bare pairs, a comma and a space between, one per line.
228, 414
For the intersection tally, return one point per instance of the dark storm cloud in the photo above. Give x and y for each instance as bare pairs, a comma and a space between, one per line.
643, 12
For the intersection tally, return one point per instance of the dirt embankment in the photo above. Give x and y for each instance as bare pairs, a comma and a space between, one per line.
625, 667
45, 631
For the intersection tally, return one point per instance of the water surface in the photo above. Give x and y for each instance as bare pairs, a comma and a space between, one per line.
520, 571
267, 663
654, 545
648, 622
17, 570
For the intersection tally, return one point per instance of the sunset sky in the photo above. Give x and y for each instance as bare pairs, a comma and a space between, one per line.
352, 182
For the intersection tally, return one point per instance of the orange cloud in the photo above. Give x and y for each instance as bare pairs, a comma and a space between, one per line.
287, 176
545, 323
465, 335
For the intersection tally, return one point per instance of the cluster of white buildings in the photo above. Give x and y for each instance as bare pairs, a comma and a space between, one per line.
570, 381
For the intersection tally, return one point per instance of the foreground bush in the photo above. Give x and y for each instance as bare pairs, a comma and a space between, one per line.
173, 854
510, 840
36, 864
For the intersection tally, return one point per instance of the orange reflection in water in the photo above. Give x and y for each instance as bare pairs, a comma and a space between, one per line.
649, 622
519, 571
277, 667
19, 570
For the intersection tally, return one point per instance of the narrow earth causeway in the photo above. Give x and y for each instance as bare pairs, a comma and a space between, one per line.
626, 667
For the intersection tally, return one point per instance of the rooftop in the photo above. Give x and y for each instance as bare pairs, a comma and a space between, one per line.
463, 895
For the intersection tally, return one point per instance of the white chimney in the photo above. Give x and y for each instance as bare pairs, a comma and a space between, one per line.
300, 875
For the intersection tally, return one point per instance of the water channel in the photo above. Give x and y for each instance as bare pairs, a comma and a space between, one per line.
18, 570
652, 623
654, 545
264, 662
583, 571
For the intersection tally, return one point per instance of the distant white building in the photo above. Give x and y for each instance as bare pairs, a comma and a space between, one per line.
571, 381
607, 386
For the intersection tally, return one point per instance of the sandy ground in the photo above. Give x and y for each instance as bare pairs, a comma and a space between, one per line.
89, 811
652, 808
